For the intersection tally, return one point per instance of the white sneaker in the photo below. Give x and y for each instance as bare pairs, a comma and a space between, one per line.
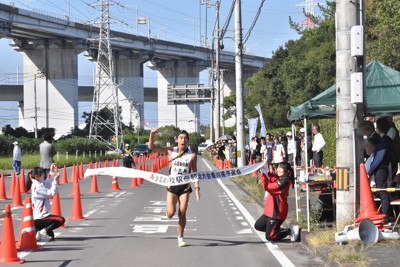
294, 233
41, 235
181, 242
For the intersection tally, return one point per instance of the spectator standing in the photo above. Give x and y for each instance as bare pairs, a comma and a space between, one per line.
263, 148
270, 144
318, 146
47, 152
291, 148
380, 165
254, 148
16, 164
278, 152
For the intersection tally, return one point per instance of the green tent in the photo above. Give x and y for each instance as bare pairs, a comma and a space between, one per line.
383, 96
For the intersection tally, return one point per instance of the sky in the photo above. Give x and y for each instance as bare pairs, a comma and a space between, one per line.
184, 21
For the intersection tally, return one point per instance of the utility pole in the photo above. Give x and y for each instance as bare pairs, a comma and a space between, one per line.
39, 74
349, 113
218, 89
34, 90
239, 86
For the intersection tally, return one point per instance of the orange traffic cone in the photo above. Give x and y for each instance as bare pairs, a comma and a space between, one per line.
72, 173
12, 186
56, 207
64, 179
134, 182
27, 232
3, 195
17, 201
114, 184
22, 187
81, 171
367, 204
77, 204
90, 165
8, 251
94, 188
76, 173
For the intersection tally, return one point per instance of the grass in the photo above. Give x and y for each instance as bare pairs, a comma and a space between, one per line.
29, 161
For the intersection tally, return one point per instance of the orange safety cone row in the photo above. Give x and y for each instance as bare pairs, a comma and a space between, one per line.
64, 178
368, 208
8, 251
3, 194
17, 201
114, 184
94, 188
22, 187
77, 204
12, 186
27, 232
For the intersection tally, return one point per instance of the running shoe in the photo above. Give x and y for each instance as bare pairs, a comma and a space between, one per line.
294, 233
181, 242
41, 235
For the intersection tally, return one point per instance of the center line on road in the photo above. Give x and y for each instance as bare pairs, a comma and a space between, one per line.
274, 249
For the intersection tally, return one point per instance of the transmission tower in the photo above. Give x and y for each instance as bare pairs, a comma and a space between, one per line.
309, 10
105, 119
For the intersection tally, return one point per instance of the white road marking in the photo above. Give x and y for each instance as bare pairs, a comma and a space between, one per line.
23, 254
274, 249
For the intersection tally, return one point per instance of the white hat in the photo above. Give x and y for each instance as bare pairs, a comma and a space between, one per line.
126, 144
15, 143
289, 134
302, 130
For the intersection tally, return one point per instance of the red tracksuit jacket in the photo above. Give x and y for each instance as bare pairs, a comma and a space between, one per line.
276, 206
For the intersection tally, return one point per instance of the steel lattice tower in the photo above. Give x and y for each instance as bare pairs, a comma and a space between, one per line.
105, 110
309, 9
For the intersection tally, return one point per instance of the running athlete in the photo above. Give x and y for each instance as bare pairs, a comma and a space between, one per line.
276, 207
181, 161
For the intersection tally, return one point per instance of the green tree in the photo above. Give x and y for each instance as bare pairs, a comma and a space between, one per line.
383, 31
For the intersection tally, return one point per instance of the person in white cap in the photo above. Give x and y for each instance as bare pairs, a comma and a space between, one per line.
291, 148
16, 164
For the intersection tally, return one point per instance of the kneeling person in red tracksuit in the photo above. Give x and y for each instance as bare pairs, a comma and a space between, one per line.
277, 186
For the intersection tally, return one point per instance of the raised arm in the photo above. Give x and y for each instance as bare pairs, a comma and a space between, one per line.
151, 143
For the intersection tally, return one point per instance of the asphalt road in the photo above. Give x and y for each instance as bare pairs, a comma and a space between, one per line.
129, 228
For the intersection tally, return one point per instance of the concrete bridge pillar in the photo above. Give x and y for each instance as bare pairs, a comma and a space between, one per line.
185, 116
129, 76
50, 86
228, 86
